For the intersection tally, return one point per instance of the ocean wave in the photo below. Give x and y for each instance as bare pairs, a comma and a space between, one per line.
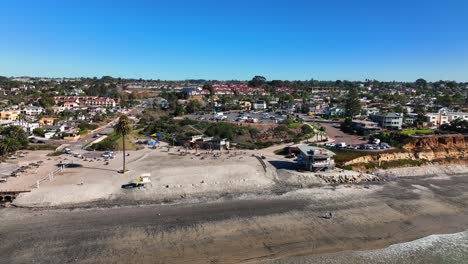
433, 249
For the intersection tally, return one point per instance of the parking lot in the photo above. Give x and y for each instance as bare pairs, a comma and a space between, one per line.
241, 116
368, 146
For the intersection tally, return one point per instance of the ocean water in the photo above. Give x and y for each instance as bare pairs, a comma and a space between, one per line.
434, 249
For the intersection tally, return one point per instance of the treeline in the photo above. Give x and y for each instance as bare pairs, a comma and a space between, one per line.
12, 138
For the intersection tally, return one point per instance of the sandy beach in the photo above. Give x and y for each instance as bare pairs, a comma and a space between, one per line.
223, 208
286, 228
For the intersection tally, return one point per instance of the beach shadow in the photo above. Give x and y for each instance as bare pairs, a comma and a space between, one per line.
280, 164
69, 165
74, 166
94, 168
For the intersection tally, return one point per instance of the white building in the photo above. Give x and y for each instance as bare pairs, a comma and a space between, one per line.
33, 110
445, 117
259, 105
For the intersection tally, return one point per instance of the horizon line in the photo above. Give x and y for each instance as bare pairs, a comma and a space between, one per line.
226, 80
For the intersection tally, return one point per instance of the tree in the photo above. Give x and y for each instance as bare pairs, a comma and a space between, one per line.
46, 101
352, 104
12, 138
307, 129
193, 106
123, 128
209, 87
421, 83
39, 132
67, 114
257, 81
445, 100
179, 110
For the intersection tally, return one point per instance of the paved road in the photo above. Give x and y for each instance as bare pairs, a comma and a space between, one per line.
234, 116
78, 145
334, 133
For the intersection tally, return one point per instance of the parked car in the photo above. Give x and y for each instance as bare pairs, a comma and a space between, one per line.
340, 145
107, 154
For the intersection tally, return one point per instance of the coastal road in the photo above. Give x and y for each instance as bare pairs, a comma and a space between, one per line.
266, 228
78, 145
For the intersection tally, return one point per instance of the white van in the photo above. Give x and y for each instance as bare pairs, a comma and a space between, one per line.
340, 145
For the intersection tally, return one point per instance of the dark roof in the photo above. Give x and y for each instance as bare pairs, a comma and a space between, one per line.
312, 151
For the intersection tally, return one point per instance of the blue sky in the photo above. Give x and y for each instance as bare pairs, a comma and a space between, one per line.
236, 39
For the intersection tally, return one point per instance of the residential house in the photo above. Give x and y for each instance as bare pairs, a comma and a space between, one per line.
410, 119
365, 127
315, 159
47, 121
100, 102
70, 105
457, 115
58, 109
9, 115
370, 111
245, 105
443, 117
334, 112
33, 110
388, 120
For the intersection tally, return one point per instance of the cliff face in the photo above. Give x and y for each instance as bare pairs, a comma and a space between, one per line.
444, 149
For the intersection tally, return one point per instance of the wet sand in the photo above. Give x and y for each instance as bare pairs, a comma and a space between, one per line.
277, 229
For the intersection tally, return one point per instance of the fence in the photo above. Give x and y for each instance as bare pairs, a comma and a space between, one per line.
261, 162
49, 177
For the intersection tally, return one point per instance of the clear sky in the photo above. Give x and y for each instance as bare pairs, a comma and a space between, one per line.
236, 39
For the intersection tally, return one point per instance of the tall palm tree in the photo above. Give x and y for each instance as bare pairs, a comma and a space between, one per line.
123, 128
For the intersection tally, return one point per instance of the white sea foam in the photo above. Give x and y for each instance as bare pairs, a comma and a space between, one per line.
433, 249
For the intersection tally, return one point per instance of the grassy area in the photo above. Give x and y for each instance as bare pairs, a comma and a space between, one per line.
409, 132
293, 125
344, 155
114, 142
401, 163
83, 132
128, 144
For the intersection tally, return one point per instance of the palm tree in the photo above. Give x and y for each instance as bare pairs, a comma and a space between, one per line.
122, 128
6, 145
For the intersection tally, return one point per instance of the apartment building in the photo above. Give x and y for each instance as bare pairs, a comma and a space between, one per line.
9, 115
33, 110
388, 120
441, 118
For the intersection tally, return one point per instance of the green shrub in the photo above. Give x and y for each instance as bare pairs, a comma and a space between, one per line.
83, 131
306, 129
39, 132
401, 163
